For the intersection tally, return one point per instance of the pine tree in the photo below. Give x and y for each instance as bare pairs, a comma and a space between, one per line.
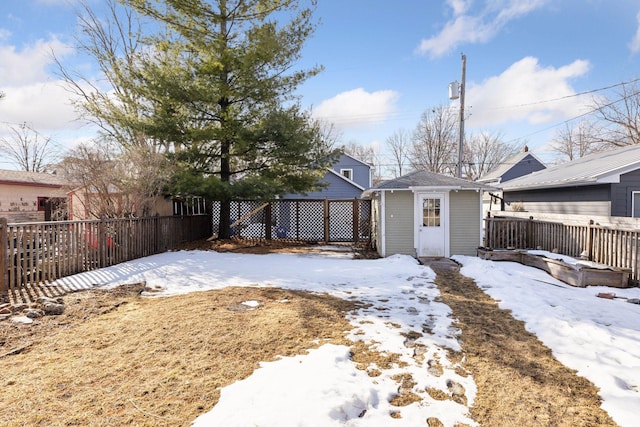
214, 88
220, 87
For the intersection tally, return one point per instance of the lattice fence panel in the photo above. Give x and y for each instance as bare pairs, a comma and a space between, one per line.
341, 220
299, 220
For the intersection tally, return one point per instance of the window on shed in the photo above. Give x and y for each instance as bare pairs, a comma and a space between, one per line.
347, 173
431, 212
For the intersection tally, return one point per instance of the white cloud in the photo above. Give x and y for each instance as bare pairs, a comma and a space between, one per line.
357, 108
634, 45
29, 65
478, 28
528, 92
32, 94
459, 6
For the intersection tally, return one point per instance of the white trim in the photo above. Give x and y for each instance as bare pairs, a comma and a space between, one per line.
481, 217
350, 170
383, 225
633, 205
339, 175
445, 217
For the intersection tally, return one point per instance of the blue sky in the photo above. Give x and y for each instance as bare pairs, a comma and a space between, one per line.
386, 62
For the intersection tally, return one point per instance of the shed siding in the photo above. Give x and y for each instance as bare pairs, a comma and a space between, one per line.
399, 227
464, 222
621, 194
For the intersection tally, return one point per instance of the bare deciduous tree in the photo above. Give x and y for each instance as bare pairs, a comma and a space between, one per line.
623, 116
573, 142
399, 144
29, 150
111, 184
434, 141
484, 151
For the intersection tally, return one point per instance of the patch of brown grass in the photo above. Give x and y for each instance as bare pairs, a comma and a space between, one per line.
119, 359
519, 381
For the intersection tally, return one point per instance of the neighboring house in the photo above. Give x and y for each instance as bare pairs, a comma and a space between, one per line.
32, 196
605, 184
426, 214
516, 166
345, 179
86, 203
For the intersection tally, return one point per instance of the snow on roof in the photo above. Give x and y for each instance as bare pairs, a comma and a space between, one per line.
597, 168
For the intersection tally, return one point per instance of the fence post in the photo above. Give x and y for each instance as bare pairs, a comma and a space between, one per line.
4, 255
267, 221
487, 231
590, 240
356, 220
528, 236
326, 221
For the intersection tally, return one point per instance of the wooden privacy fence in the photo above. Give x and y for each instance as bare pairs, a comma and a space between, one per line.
321, 220
45, 251
615, 247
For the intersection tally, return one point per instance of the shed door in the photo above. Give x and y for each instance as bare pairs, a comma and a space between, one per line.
431, 214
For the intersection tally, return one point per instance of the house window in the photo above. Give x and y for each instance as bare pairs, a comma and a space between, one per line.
431, 212
347, 173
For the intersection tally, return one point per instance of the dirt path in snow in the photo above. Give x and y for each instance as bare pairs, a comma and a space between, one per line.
519, 381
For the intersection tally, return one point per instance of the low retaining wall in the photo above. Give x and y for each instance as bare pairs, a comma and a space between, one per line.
574, 275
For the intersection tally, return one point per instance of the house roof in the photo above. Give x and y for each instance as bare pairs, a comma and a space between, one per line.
426, 179
598, 168
31, 178
496, 174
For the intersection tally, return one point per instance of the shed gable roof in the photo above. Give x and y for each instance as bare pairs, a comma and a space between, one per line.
598, 168
423, 178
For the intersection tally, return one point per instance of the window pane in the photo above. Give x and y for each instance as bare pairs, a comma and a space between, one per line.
431, 212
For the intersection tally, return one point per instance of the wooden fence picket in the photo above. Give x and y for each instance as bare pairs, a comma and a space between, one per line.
615, 247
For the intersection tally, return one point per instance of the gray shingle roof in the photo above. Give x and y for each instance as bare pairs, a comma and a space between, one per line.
422, 178
597, 168
32, 178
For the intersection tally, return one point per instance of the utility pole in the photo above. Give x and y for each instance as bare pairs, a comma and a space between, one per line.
456, 90
462, 88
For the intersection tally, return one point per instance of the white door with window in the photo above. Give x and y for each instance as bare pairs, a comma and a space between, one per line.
432, 213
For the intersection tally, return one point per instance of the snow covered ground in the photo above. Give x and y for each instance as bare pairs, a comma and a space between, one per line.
599, 338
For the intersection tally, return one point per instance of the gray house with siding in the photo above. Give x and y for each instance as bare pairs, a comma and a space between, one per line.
426, 214
345, 179
605, 184
516, 166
